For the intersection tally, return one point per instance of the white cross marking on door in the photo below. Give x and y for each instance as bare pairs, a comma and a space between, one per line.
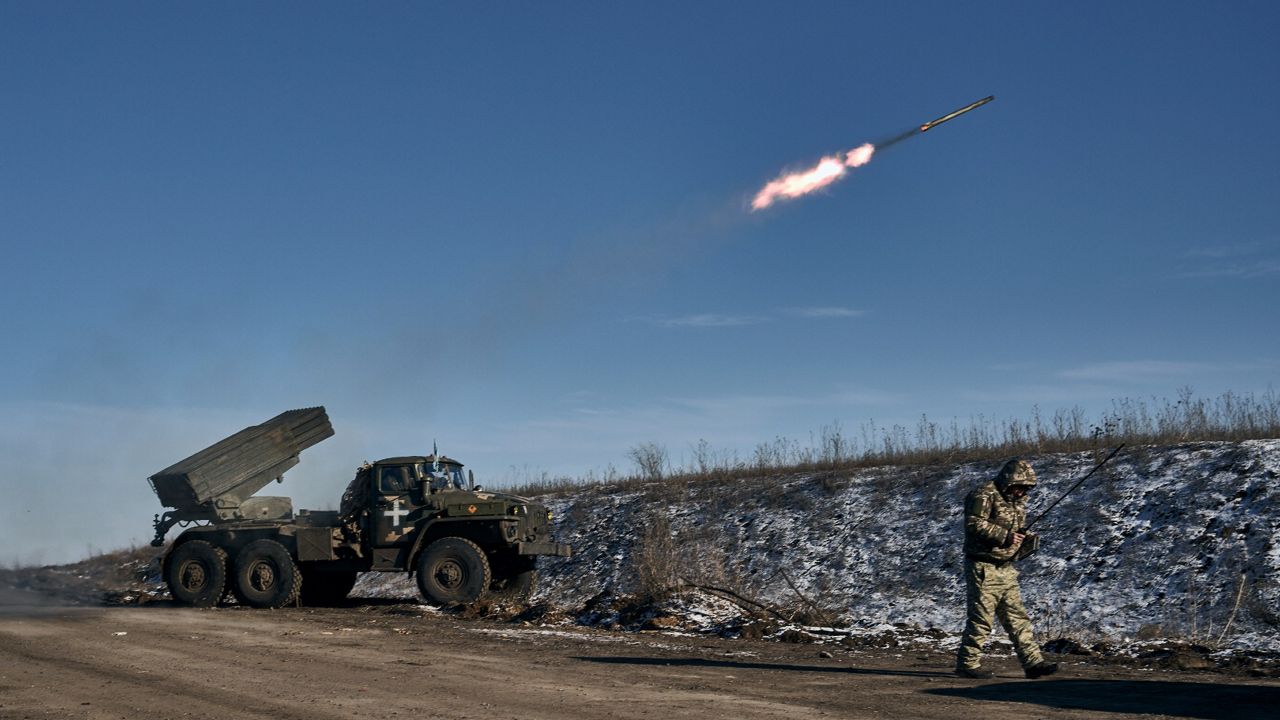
396, 513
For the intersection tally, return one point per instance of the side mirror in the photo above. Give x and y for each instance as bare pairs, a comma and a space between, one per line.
471, 480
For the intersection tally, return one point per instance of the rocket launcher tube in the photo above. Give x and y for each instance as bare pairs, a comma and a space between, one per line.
234, 468
218, 482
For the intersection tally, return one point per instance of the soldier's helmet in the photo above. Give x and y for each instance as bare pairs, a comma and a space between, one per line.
1016, 472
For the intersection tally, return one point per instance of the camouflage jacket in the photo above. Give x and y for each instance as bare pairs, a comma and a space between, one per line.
989, 522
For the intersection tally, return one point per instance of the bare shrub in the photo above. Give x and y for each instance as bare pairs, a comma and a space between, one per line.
657, 559
1136, 422
665, 560
702, 460
650, 459
834, 450
782, 452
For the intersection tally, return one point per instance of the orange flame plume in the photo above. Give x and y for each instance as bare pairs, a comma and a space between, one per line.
828, 170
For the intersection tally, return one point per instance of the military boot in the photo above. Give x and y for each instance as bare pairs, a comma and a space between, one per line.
975, 673
1040, 669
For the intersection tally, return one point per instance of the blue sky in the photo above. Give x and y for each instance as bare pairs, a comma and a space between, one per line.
520, 229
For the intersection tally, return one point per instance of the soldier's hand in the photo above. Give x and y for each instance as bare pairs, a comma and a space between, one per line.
1017, 539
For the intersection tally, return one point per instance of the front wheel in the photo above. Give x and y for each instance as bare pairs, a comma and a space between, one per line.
516, 579
196, 572
266, 576
522, 586
452, 570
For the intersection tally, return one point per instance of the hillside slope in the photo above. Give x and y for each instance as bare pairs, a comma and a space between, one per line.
1174, 542
1157, 544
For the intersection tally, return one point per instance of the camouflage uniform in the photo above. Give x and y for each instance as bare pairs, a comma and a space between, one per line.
991, 581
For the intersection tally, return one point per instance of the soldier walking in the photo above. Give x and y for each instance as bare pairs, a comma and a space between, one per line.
993, 513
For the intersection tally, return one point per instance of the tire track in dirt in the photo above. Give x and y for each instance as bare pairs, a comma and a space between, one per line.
247, 664
120, 685
405, 662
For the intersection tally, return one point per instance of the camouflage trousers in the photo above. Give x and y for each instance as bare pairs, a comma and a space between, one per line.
993, 592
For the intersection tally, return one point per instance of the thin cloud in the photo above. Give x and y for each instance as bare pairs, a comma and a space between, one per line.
1014, 367
1134, 371
1223, 251
709, 320
1265, 268
1239, 261
718, 320
818, 313
1035, 394
738, 405
1163, 370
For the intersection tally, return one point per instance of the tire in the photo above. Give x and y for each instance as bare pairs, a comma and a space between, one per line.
453, 570
324, 586
522, 586
516, 580
196, 572
266, 576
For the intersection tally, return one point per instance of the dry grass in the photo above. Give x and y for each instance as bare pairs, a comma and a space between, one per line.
657, 559
1229, 417
91, 581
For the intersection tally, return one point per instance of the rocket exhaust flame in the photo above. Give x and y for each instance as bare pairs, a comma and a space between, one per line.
833, 167
828, 170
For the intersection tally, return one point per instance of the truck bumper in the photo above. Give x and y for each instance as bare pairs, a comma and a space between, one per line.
543, 548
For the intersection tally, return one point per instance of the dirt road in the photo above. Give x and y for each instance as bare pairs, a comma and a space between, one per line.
403, 661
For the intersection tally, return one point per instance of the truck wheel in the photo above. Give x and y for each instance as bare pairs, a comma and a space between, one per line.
517, 581
524, 584
521, 586
323, 586
196, 572
453, 570
266, 576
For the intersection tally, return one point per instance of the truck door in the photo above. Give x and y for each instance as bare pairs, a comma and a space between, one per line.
395, 508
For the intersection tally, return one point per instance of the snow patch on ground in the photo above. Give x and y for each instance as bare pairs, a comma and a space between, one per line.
1157, 544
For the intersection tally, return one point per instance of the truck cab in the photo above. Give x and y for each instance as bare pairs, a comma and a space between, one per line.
412, 503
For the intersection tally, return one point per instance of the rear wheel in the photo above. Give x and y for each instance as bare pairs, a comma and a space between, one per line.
453, 570
196, 572
322, 585
266, 576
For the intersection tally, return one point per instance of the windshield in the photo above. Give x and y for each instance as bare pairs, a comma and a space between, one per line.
447, 477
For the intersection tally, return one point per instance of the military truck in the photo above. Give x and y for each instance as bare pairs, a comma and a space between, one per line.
418, 514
